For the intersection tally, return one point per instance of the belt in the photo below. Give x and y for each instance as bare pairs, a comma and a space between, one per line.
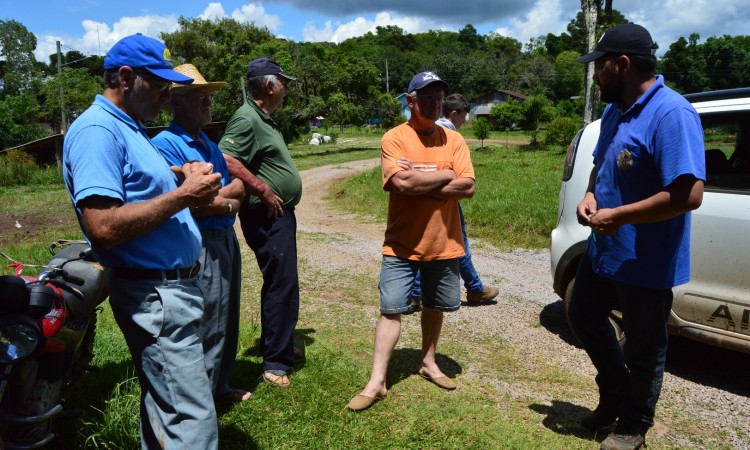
156, 274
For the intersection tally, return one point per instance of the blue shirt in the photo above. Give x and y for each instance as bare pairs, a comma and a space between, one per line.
106, 153
178, 147
640, 152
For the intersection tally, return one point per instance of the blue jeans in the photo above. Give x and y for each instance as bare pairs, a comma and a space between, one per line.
631, 378
442, 289
472, 282
274, 242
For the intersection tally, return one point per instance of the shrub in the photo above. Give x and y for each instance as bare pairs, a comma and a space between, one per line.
561, 131
19, 168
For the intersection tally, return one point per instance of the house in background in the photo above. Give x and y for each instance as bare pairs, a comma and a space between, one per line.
481, 107
405, 111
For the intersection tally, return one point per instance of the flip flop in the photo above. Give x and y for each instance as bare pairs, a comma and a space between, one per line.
441, 382
277, 378
362, 402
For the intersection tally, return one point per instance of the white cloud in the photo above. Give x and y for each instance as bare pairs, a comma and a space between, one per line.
360, 26
255, 12
546, 16
213, 11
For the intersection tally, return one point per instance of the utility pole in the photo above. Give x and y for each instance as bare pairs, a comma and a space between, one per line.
387, 86
591, 103
64, 121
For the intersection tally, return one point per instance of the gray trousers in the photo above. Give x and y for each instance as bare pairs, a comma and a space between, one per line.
219, 279
161, 324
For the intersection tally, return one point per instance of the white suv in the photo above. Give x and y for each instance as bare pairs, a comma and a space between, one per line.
714, 307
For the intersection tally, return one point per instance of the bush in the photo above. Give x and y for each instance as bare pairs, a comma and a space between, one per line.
561, 131
19, 168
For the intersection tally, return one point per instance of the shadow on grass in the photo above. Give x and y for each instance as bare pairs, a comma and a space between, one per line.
405, 362
564, 418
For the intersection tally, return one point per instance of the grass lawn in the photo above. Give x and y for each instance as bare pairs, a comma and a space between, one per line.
335, 331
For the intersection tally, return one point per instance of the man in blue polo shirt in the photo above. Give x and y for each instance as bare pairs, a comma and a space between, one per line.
221, 262
648, 174
138, 223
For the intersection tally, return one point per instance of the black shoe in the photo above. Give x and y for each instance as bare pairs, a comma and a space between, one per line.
601, 417
623, 442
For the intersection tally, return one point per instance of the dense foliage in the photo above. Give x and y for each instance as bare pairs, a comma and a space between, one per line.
356, 82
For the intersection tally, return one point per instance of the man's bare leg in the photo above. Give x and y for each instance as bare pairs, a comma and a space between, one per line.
387, 333
432, 324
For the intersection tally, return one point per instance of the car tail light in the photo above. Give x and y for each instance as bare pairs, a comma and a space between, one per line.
570, 156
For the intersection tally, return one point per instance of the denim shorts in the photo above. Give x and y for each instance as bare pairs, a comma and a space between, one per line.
441, 287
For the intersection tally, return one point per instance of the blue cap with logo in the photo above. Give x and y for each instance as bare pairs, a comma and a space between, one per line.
422, 79
139, 51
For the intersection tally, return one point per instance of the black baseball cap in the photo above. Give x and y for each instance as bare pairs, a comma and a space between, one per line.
623, 39
265, 66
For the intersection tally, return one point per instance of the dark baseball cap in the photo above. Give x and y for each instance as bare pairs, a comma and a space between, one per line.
266, 66
422, 79
139, 51
623, 39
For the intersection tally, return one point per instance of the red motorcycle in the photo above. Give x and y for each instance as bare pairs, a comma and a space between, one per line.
47, 328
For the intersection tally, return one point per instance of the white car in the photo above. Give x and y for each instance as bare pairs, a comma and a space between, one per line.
714, 307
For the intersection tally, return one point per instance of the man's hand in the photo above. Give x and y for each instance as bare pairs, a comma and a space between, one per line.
404, 163
586, 209
200, 185
604, 222
274, 203
190, 167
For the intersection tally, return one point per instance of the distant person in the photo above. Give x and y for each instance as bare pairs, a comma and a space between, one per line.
138, 223
648, 174
426, 170
455, 109
256, 154
220, 260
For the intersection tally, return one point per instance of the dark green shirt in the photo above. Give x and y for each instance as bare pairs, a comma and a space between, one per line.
253, 138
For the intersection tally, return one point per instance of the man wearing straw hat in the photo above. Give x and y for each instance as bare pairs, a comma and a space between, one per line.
220, 260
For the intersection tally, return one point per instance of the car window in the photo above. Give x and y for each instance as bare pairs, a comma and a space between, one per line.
727, 143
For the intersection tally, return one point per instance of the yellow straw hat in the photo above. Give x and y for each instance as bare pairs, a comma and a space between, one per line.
200, 82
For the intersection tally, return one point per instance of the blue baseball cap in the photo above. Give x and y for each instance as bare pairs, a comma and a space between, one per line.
422, 79
139, 51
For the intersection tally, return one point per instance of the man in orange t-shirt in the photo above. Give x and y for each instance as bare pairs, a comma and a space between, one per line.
426, 170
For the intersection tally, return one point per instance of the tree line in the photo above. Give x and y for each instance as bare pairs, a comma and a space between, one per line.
357, 80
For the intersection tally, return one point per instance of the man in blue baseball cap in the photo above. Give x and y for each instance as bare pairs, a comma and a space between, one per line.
139, 225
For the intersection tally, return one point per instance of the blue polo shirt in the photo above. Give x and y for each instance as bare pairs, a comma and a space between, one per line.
178, 147
640, 152
107, 153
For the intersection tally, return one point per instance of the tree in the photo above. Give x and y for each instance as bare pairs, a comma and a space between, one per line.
569, 75
17, 62
507, 115
481, 129
73, 90
18, 120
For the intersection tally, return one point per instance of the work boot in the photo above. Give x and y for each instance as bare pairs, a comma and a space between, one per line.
487, 293
623, 442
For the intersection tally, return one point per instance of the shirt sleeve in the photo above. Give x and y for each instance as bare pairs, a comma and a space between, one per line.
239, 140
390, 152
95, 161
679, 145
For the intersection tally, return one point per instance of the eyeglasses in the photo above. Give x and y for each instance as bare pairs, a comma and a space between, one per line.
162, 85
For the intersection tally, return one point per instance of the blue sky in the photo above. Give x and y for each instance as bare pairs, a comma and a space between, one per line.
92, 26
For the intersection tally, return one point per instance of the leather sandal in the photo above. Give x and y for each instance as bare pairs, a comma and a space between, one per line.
441, 382
362, 402
277, 378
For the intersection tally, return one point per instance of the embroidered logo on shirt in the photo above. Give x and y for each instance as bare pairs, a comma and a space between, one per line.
625, 160
231, 141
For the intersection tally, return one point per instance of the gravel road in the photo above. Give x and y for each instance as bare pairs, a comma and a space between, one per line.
706, 390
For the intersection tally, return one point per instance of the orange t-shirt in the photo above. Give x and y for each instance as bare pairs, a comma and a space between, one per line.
421, 227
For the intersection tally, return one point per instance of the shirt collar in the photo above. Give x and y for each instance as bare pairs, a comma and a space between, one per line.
110, 107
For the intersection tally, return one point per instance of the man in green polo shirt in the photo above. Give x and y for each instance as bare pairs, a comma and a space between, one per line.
256, 154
